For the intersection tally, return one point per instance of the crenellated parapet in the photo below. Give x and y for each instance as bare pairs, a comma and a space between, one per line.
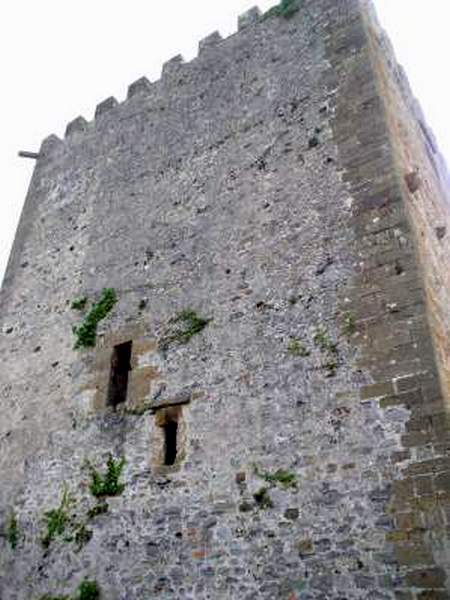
250, 17
78, 125
209, 41
142, 87
173, 70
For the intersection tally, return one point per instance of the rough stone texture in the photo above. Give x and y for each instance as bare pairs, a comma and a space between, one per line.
263, 186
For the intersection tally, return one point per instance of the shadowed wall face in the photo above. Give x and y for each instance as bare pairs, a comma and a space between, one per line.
268, 371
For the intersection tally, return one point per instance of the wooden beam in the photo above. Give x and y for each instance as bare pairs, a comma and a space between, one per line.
24, 154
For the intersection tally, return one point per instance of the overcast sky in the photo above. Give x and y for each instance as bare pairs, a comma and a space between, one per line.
60, 58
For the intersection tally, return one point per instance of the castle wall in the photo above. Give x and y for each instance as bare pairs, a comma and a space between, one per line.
423, 180
425, 186
400, 290
259, 186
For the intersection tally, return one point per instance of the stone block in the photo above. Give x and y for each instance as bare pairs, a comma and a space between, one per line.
250, 17
377, 390
78, 125
140, 86
105, 107
305, 547
427, 578
413, 554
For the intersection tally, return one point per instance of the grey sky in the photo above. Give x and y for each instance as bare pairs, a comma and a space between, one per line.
60, 58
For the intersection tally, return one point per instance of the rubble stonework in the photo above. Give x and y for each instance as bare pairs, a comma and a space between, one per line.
271, 220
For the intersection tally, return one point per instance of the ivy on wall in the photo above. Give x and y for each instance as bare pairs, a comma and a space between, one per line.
86, 333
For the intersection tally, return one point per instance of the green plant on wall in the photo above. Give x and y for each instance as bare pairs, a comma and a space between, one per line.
326, 345
297, 348
87, 590
184, 326
262, 498
98, 509
330, 366
82, 536
283, 477
61, 521
79, 303
12, 530
58, 518
323, 340
285, 9
107, 484
349, 324
86, 333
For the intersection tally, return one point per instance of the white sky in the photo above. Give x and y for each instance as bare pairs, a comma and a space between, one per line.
58, 59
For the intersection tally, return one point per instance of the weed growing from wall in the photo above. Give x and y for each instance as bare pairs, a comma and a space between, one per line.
330, 366
349, 324
82, 536
282, 477
86, 333
285, 478
285, 9
58, 518
79, 303
98, 509
183, 327
323, 340
12, 530
326, 345
87, 590
107, 484
262, 498
297, 348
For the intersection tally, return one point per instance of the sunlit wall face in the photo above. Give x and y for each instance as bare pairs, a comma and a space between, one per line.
139, 37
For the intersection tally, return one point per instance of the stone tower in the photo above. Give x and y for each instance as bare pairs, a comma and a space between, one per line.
225, 332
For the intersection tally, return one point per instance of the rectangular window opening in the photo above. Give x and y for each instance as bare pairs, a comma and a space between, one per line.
118, 379
170, 442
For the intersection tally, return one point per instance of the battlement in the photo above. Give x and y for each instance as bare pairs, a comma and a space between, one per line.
174, 69
143, 87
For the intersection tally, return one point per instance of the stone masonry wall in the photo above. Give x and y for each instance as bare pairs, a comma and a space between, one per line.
259, 186
425, 183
